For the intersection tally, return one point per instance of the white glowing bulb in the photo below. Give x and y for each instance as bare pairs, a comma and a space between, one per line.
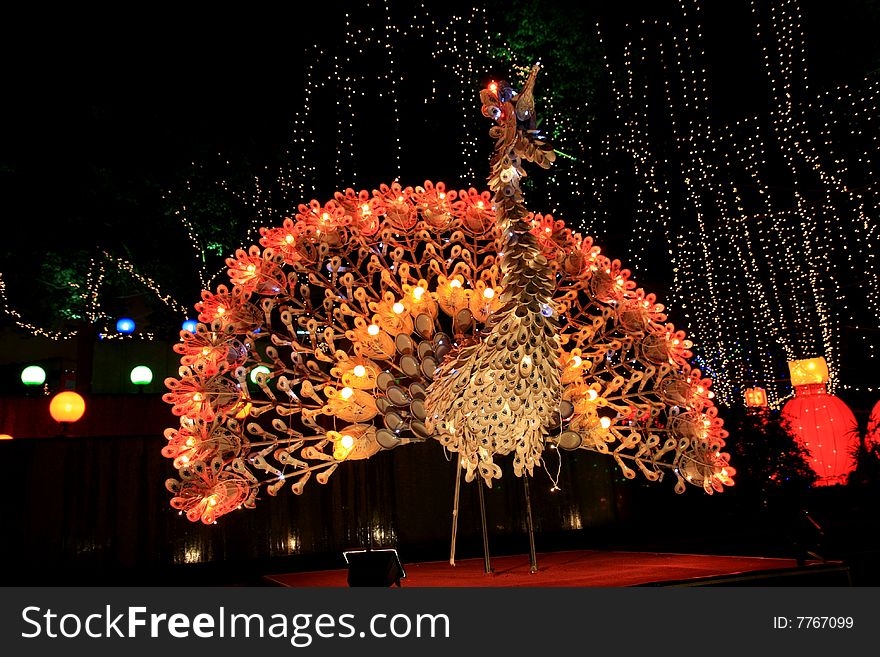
592, 394
288, 239
325, 217
488, 293
418, 293
398, 308
373, 329
605, 422
347, 441
576, 361
359, 370
454, 283
346, 393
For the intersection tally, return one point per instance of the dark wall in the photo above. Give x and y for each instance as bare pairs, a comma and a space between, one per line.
95, 510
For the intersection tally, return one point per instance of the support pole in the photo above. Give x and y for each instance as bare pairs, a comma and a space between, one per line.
487, 563
455, 511
533, 557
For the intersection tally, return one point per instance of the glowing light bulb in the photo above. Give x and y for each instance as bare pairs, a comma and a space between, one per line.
347, 441
605, 422
398, 308
288, 238
359, 370
373, 329
418, 293
576, 361
365, 209
251, 268
592, 394
493, 87
197, 397
455, 283
488, 293
221, 310
325, 217
346, 393
212, 501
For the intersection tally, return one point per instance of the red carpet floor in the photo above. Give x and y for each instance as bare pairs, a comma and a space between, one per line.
575, 568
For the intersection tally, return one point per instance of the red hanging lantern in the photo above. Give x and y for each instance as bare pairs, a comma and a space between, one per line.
872, 437
823, 424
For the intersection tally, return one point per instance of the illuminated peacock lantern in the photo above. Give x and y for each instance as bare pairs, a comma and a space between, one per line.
411, 314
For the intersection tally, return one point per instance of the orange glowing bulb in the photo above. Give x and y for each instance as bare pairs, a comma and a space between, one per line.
288, 239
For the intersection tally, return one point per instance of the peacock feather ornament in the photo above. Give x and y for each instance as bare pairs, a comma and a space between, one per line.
408, 314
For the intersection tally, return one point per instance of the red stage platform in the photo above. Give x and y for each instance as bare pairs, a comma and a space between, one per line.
583, 568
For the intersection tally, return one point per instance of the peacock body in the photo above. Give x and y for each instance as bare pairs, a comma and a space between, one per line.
415, 313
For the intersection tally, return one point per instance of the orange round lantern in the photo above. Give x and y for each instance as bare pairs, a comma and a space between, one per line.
5, 436
67, 406
824, 425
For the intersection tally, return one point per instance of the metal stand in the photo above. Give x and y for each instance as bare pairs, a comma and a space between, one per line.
455, 511
533, 557
487, 563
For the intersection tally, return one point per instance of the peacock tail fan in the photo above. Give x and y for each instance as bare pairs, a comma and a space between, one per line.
405, 314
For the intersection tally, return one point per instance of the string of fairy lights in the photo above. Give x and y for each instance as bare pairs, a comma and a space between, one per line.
758, 269
767, 223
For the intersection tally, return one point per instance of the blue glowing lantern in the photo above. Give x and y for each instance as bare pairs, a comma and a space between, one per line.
190, 325
125, 325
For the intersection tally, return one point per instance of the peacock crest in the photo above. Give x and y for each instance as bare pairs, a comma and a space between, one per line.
408, 314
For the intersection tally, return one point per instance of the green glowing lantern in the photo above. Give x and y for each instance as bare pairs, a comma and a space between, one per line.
33, 375
260, 369
141, 375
